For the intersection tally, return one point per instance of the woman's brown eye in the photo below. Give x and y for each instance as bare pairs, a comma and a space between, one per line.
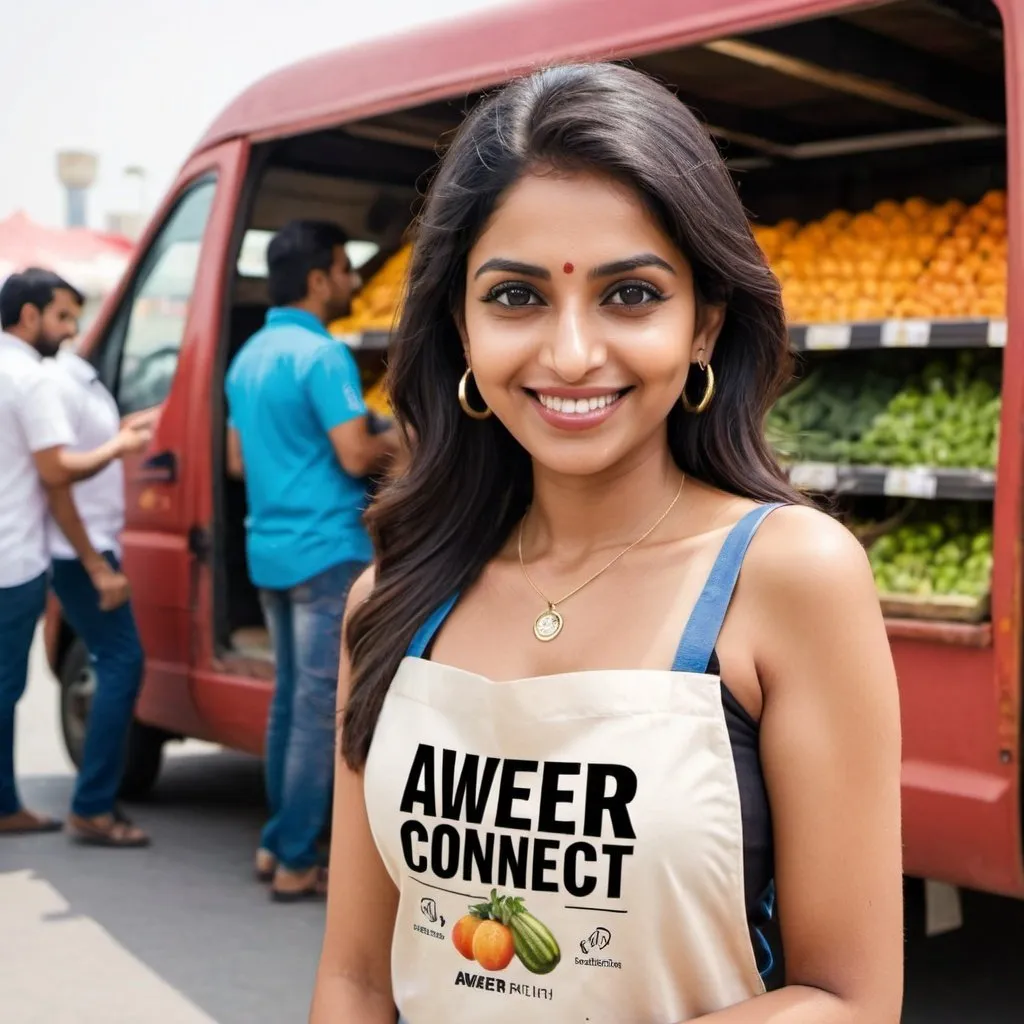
634, 295
515, 297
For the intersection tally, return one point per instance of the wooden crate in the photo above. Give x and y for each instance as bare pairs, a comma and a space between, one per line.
941, 607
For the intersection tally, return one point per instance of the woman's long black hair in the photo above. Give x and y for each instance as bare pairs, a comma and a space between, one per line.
469, 482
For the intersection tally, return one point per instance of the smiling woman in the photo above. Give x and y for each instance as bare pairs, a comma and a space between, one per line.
564, 709
610, 346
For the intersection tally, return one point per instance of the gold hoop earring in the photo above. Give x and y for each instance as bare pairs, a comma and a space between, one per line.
476, 414
709, 391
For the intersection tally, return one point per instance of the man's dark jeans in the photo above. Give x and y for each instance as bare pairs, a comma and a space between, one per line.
116, 652
305, 627
20, 610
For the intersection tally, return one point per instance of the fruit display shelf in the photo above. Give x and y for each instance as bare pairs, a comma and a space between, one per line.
974, 333
895, 482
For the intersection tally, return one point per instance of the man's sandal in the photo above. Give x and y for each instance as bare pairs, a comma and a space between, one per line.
264, 866
109, 830
299, 885
27, 823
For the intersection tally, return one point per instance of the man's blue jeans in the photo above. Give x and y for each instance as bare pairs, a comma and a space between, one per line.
20, 610
305, 628
113, 644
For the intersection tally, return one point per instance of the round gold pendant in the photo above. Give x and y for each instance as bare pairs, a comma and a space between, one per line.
547, 625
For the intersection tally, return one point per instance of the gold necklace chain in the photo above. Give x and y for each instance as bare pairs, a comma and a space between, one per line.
549, 623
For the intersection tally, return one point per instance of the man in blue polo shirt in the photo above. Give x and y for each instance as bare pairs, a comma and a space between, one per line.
298, 433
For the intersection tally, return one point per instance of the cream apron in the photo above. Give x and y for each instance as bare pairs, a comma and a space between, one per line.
606, 801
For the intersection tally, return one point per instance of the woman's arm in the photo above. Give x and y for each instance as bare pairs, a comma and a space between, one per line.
353, 982
830, 748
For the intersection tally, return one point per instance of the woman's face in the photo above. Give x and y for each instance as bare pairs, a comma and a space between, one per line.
581, 321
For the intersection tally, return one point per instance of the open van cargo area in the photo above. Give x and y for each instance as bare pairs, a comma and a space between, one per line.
906, 98
869, 148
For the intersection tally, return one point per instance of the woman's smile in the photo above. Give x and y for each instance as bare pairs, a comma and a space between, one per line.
576, 408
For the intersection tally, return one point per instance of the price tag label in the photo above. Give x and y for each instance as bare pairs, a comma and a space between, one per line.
996, 334
915, 482
817, 477
906, 333
827, 337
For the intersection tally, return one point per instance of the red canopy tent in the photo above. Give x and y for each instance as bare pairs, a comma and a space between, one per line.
92, 261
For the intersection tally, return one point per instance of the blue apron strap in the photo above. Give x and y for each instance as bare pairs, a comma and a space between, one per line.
701, 633
425, 634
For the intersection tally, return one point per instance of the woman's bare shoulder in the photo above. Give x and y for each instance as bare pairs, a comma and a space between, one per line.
813, 604
802, 554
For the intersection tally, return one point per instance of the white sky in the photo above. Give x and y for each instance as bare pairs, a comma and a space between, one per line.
138, 81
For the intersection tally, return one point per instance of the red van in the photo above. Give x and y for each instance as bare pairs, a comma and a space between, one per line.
818, 106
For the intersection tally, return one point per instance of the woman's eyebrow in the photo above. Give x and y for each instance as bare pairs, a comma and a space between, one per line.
513, 267
646, 259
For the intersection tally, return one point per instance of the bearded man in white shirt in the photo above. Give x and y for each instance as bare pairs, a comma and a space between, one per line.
38, 312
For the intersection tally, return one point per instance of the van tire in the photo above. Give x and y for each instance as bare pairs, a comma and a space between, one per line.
144, 755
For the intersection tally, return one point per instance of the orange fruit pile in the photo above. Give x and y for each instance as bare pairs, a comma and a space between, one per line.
377, 305
967, 274
910, 259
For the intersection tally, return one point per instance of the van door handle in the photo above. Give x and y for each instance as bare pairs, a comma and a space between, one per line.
161, 468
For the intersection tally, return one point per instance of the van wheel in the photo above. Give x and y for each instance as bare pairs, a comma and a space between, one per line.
145, 743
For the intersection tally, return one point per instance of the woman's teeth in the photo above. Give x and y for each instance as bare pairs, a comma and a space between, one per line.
577, 406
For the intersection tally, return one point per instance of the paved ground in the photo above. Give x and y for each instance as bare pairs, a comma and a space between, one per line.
179, 935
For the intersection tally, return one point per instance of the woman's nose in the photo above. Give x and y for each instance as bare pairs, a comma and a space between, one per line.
574, 347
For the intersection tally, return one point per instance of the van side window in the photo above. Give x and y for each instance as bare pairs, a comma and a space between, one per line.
141, 353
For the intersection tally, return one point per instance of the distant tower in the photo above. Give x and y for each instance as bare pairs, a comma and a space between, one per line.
77, 172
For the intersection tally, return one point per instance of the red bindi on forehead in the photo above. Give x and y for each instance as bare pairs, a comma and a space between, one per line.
567, 267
